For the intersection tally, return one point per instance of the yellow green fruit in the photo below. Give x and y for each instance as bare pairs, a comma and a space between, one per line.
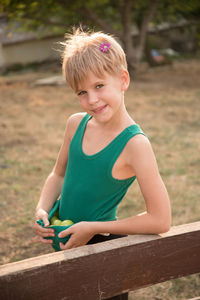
67, 223
53, 219
57, 222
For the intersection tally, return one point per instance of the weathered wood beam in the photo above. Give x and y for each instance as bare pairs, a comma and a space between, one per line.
105, 269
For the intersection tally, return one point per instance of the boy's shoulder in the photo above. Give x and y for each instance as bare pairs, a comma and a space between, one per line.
138, 141
73, 122
76, 118
138, 144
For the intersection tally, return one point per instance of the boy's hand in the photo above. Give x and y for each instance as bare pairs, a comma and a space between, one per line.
81, 233
43, 215
41, 231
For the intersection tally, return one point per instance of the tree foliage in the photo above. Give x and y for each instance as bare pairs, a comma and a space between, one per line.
120, 18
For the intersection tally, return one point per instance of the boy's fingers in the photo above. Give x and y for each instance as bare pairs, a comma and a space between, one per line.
65, 246
42, 229
43, 232
64, 233
44, 241
68, 245
45, 221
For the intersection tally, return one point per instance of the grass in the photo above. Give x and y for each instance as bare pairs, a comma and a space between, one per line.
164, 101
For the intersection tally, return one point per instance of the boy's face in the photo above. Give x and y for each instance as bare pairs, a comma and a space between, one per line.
103, 98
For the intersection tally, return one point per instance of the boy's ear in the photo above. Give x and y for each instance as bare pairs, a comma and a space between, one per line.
125, 80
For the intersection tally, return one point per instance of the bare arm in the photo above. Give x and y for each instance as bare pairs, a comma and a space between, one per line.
50, 192
53, 184
157, 218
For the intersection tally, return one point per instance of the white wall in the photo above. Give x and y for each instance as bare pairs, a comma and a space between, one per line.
29, 51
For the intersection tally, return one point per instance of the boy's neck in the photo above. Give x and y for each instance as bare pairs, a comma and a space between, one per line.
119, 121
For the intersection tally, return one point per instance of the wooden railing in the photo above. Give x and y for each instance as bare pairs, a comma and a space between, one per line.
106, 269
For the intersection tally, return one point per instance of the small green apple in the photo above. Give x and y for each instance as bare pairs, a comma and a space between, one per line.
53, 219
67, 223
57, 222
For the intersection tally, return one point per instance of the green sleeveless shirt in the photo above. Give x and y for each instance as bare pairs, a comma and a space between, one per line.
90, 192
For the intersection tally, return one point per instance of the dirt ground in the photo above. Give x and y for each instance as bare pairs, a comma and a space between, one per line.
165, 101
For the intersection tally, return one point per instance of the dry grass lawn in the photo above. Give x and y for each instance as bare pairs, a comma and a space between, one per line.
165, 102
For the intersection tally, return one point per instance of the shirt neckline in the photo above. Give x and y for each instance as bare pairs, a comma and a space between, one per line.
107, 146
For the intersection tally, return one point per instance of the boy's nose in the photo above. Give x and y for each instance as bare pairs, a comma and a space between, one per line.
92, 98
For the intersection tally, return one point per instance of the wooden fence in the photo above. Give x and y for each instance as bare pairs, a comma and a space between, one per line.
106, 269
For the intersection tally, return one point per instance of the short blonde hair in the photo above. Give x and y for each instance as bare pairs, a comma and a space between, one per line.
82, 55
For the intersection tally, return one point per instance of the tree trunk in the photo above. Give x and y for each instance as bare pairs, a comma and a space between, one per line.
134, 53
125, 9
143, 28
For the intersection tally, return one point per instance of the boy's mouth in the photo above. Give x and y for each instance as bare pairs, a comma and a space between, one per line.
100, 109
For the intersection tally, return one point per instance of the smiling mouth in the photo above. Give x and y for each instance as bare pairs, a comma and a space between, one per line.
99, 109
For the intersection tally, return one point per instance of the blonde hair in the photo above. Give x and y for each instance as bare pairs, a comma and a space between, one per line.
82, 55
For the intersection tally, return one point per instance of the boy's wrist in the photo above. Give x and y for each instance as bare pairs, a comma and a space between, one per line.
37, 210
99, 227
40, 212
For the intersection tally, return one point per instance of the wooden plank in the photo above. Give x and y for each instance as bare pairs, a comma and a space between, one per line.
106, 269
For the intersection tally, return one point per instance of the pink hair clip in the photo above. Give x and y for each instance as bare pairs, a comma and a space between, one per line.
104, 47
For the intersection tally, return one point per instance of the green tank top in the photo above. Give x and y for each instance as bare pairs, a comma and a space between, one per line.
90, 192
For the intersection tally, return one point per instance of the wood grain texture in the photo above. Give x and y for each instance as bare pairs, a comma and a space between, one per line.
104, 270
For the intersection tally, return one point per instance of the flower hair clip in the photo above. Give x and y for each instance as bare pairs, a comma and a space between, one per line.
104, 47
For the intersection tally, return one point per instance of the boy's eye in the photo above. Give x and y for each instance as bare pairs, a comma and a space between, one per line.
99, 86
81, 93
